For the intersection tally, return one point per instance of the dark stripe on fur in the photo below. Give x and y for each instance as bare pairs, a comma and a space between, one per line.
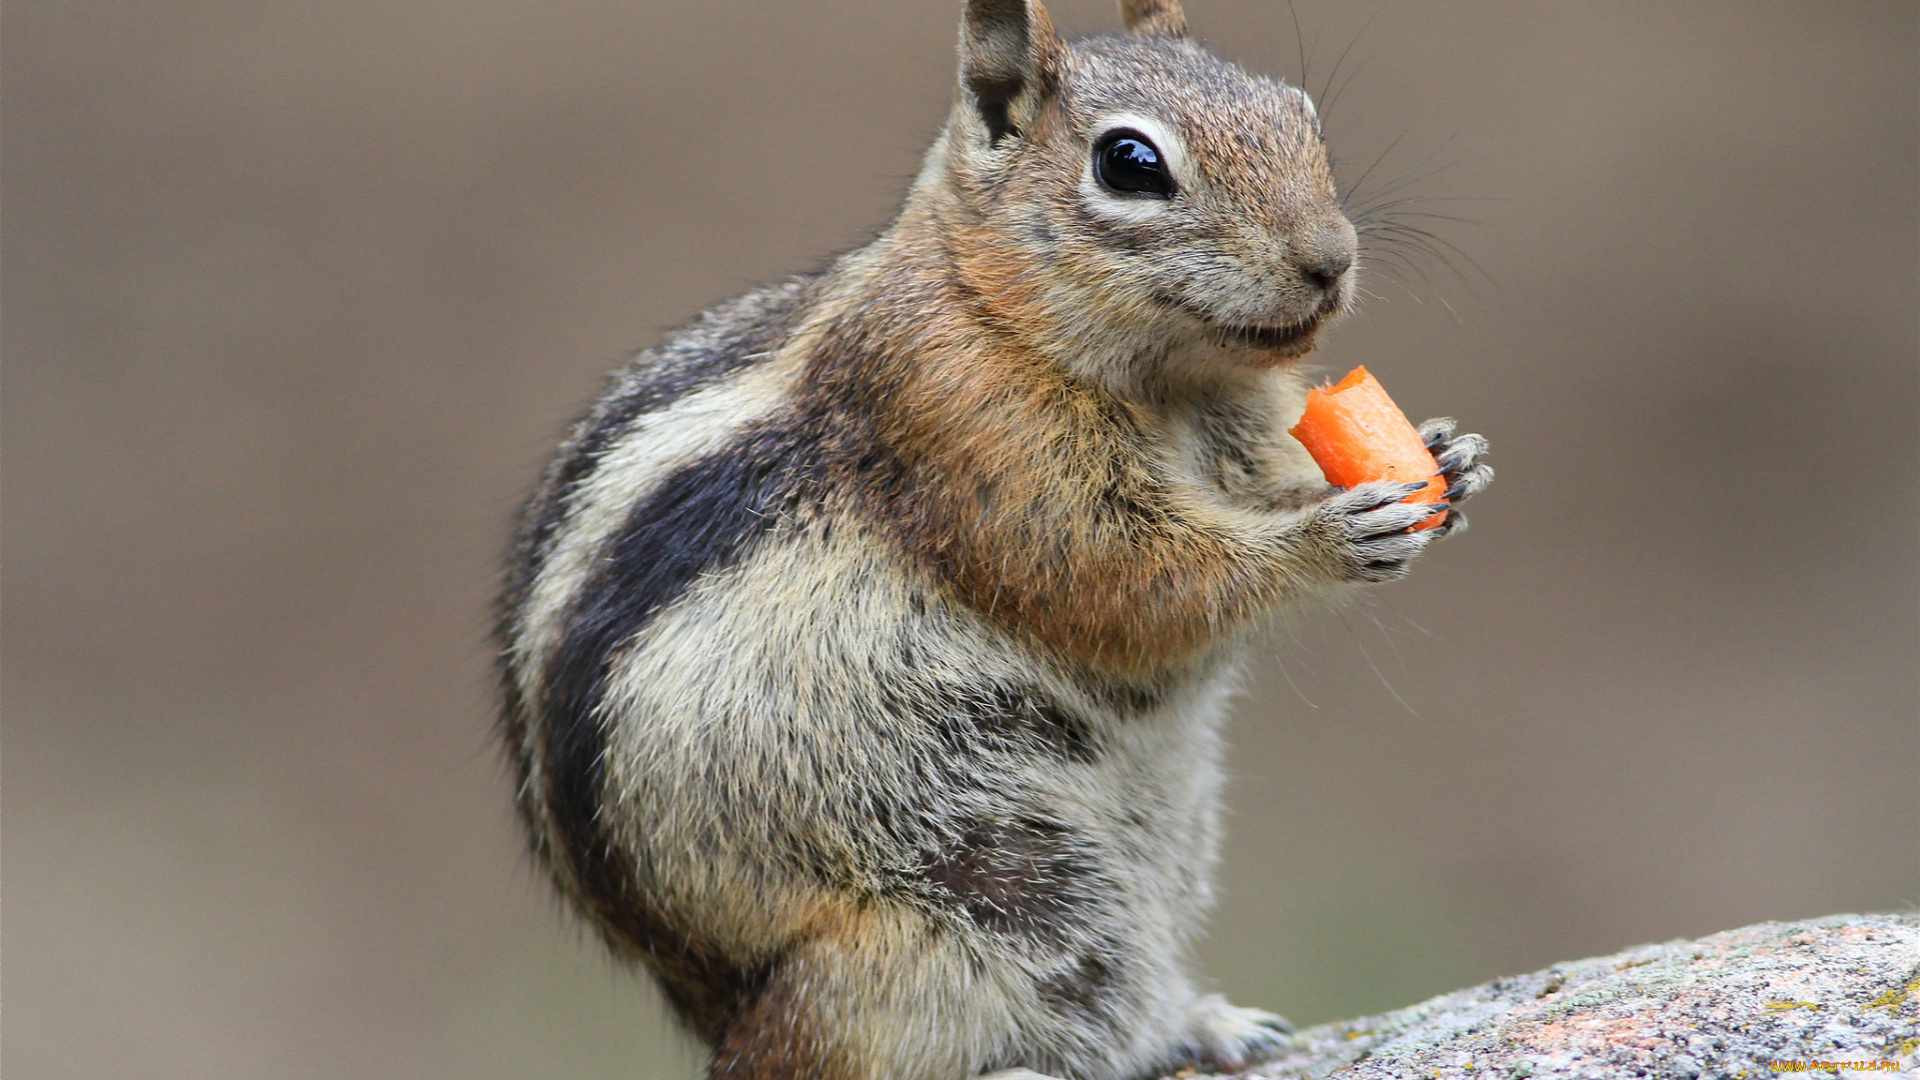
704, 987
1010, 722
1028, 877
700, 519
721, 342
716, 345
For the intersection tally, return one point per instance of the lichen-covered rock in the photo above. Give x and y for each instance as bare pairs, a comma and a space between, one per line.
1844, 990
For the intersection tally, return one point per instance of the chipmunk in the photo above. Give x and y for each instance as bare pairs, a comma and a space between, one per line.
865, 649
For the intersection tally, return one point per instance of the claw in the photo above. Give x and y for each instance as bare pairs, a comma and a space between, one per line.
1435, 432
1461, 453
1278, 1023
1469, 480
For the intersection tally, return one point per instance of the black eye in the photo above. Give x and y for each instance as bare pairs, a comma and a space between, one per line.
1127, 164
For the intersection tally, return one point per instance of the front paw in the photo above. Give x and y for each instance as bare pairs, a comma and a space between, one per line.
1459, 458
1232, 1038
1367, 529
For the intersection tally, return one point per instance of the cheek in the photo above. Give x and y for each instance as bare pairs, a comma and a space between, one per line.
1129, 242
1110, 278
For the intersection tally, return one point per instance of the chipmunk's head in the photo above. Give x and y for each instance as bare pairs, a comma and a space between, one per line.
1140, 190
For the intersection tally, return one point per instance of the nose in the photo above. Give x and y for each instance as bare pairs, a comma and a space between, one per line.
1324, 271
1327, 255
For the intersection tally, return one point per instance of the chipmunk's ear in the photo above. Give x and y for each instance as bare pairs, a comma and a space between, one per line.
1010, 60
1154, 18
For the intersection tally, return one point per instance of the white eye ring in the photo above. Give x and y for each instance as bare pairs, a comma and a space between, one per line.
1126, 209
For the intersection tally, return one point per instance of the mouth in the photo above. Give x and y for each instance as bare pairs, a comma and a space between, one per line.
1292, 340
1288, 339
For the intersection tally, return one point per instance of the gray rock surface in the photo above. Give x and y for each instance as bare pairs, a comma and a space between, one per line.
1843, 990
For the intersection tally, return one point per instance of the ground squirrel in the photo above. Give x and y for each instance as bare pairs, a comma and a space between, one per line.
865, 648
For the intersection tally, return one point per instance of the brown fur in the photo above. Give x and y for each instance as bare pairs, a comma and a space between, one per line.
866, 648
1154, 18
778, 1031
1035, 494
773, 1039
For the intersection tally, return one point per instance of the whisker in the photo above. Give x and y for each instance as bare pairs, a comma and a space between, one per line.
1299, 42
1440, 247
1391, 210
1328, 95
1402, 183
1398, 270
1450, 259
1358, 185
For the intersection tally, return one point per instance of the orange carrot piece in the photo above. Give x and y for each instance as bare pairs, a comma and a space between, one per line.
1356, 434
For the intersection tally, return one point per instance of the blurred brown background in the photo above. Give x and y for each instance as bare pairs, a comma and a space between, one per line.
298, 297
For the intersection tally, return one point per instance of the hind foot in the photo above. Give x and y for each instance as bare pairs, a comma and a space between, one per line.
1231, 1038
